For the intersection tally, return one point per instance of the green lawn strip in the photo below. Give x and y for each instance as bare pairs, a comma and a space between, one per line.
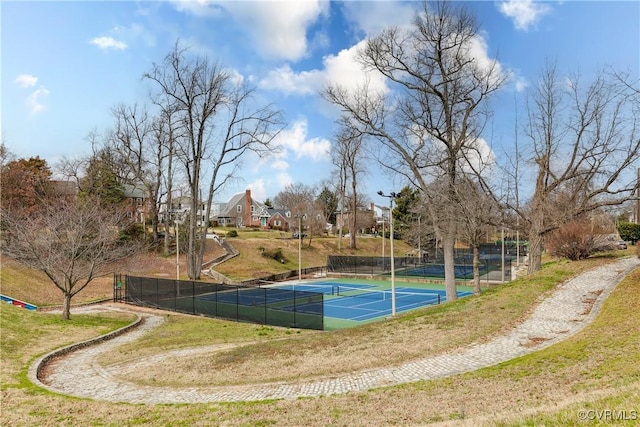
29, 334
621, 408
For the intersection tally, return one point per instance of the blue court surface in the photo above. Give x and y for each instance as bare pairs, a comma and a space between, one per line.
362, 302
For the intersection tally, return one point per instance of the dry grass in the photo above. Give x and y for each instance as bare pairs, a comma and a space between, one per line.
250, 263
598, 366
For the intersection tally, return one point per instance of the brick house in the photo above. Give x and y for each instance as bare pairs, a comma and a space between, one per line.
242, 210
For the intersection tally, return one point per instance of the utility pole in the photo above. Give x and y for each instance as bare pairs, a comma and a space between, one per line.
638, 198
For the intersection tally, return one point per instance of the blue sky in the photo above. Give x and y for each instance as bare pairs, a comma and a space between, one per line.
65, 64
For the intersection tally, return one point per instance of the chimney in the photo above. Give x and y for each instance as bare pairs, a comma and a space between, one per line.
247, 208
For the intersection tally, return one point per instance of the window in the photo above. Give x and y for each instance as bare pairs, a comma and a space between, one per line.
252, 208
239, 208
288, 214
277, 223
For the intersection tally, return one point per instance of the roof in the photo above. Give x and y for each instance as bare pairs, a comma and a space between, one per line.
227, 210
134, 191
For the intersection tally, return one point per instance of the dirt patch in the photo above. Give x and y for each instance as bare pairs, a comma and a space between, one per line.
590, 301
535, 341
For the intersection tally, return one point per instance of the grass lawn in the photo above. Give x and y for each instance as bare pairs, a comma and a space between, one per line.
595, 369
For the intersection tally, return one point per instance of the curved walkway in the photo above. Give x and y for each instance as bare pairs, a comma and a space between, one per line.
572, 306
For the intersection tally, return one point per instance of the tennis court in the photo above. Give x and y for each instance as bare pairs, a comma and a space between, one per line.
353, 302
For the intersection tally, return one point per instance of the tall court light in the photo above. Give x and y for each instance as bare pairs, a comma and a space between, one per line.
391, 196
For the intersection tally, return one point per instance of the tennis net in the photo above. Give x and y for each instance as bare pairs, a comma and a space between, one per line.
382, 295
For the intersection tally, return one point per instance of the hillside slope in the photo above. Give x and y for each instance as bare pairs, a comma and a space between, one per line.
35, 287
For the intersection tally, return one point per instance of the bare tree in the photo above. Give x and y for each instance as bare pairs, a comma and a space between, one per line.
348, 158
585, 147
249, 127
143, 144
434, 122
6, 155
300, 200
219, 122
478, 211
71, 241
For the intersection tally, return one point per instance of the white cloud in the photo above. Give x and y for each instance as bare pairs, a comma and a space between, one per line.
524, 13
34, 101
284, 180
198, 7
278, 28
480, 155
106, 42
284, 79
258, 189
479, 51
520, 82
279, 164
341, 69
295, 140
26, 80
292, 145
371, 17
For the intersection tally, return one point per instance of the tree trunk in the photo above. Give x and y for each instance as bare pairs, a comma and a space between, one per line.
476, 270
535, 250
536, 230
448, 243
193, 269
354, 212
66, 306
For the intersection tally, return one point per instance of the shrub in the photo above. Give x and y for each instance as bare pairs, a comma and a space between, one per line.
576, 241
275, 254
231, 233
629, 232
133, 231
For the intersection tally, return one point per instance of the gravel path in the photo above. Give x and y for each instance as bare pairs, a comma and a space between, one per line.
572, 306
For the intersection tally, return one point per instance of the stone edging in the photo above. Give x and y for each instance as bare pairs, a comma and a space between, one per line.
36, 369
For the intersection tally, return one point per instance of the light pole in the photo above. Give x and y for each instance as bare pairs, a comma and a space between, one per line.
383, 239
178, 222
391, 197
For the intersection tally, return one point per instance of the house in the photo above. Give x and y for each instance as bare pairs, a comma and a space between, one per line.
137, 202
241, 211
180, 206
279, 219
367, 218
136, 199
